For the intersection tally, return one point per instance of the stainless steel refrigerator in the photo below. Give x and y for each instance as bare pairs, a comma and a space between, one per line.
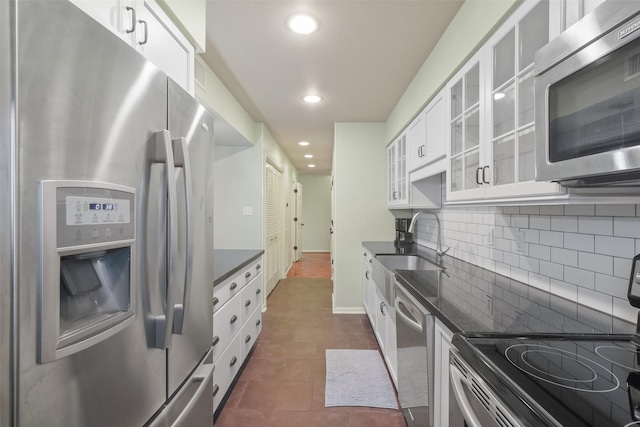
105, 230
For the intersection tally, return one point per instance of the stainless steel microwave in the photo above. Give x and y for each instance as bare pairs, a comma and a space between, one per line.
587, 91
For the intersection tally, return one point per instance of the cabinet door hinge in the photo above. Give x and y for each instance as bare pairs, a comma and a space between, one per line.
295, 219
295, 248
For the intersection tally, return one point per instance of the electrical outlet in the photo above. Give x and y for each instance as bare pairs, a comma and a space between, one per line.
490, 237
520, 242
247, 211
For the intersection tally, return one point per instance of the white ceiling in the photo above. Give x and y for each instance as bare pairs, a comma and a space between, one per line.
362, 58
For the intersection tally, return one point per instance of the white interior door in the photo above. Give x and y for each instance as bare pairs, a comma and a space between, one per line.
332, 240
273, 226
297, 222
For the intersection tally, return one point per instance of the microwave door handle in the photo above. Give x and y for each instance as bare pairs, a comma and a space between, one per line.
463, 403
162, 153
181, 156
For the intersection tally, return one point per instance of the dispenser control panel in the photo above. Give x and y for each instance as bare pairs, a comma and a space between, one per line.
89, 213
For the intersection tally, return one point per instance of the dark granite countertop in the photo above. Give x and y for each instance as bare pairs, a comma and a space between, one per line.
227, 262
475, 301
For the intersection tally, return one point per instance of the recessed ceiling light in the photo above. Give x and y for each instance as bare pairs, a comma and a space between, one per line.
303, 143
312, 166
312, 99
308, 156
303, 24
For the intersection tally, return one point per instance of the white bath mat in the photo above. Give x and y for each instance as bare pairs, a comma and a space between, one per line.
358, 378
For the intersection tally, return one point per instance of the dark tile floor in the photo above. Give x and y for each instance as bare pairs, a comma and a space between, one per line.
283, 382
312, 264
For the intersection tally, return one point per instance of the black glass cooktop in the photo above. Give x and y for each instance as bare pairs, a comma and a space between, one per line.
567, 381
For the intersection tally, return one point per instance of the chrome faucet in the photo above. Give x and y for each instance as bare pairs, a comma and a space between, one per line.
439, 252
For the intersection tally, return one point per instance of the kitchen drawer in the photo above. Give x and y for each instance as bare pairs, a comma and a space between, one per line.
249, 333
227, 289
251, 297
252, 271
227, 322
225, 371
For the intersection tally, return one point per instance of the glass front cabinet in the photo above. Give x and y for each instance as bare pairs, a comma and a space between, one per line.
491, 107
397, 174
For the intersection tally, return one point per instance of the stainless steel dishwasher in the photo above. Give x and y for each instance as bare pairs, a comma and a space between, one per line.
415, 335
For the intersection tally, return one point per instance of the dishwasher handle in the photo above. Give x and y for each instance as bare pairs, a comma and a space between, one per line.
463, 403
404, 313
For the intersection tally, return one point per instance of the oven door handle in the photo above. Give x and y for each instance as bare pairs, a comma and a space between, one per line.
463, 403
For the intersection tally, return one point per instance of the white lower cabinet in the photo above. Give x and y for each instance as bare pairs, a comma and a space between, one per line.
237, 323
442, 344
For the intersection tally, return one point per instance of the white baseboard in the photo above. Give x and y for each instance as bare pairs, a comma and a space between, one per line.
345, 310
317, 250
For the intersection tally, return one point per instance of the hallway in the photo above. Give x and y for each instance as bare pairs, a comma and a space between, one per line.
283, 383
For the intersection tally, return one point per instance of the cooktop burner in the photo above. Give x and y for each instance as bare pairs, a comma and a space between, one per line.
582, 381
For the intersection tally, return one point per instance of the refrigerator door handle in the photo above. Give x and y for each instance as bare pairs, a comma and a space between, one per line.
181, 159
163, 153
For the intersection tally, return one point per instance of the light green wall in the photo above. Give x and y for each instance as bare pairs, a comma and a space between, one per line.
360, 206
472, 24
191, 17
316, 212
216, 97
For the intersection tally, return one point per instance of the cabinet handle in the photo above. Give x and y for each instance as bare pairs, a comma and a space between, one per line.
216, 389
394, 195
248, 303
382, 304
233, 361
247, 339
485, 180
258, 291
233, 319
478, 176
258, 267
247, 275
233, 286
146, 32
366, 274
216, 340
215, 300
133, 19
258, 322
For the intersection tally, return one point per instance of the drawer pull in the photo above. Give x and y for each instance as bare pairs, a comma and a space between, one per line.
233, 361
216, 389
216, 340
233, 286
215, 300
247, 275
258, 322
258, 267
248, 338
233, 319
258, 291
248, 303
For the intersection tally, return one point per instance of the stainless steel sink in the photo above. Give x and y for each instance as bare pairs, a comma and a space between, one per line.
406, 262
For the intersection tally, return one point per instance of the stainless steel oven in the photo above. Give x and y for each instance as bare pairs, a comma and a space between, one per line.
587, 91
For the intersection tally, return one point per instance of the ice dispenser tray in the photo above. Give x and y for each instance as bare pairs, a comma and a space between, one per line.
86, 264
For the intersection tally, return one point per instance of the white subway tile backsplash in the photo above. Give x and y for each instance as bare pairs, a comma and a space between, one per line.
552, 238
626, 227
552, 210
613, 286
615, 246
579, 242
596, 225
580, 277
615, 210
580, 210
552, 270
595, 262
564, 257
579, 252
597, 300
564, 223
540, 222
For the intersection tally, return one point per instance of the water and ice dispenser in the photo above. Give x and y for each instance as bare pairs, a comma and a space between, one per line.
86, 265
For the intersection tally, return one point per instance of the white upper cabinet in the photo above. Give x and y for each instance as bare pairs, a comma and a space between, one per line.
492, 129
427, 134
397, 174
565, 13
143, 25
